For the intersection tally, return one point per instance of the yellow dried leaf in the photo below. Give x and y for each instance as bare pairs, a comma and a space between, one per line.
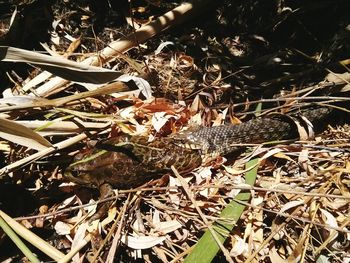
19, 134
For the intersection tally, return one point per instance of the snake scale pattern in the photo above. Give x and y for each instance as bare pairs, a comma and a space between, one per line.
132, 160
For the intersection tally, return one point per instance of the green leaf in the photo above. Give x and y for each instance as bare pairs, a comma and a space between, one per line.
258, 109
19, 243
207, 248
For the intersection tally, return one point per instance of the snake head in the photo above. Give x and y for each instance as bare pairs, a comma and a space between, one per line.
189, 140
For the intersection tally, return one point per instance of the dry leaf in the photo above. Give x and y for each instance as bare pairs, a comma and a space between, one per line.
331, 221
275, 257
62, 228
159, 119
290, 205
239, 246
67, 69
167, 227
141, 242
19, 134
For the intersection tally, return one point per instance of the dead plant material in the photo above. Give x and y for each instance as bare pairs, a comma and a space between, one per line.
299, 206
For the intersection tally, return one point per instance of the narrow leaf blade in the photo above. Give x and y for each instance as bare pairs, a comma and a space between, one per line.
206, 248
19, 134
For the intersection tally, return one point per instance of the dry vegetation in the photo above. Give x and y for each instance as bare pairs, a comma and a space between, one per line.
226, 62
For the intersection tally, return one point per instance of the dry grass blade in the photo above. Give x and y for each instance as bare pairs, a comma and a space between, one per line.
18, 242
32, 238
41, 154
217, 207
58, 66
46, 103
206, 248
19, 134
75, 250
295, 213
56, 127
173, 17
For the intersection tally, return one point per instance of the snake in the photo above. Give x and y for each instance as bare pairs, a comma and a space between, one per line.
130, 161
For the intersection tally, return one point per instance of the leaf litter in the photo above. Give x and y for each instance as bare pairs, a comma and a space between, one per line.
300, 202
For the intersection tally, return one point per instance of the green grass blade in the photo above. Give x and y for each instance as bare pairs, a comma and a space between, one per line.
19, 243
206, 248
33, 239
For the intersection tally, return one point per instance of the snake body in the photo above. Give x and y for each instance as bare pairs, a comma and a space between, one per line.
224, 139
133, 160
